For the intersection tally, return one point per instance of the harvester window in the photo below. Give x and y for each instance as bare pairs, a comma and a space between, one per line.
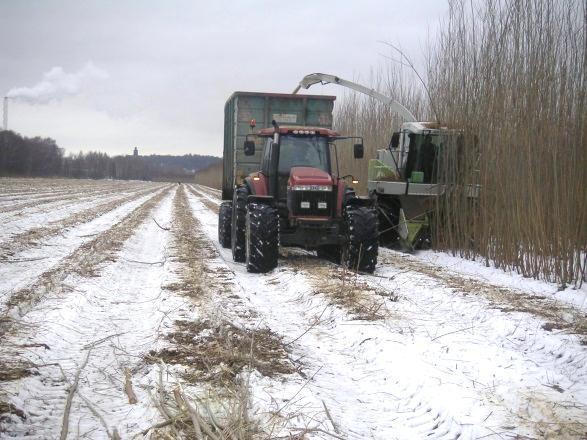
422, 158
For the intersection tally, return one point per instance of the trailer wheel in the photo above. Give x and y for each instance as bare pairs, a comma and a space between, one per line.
360, 251
238, 223
262, 238
225, 224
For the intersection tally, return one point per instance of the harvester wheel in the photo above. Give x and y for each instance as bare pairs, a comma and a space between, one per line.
238, 223
262, 238
224, 224
360, 251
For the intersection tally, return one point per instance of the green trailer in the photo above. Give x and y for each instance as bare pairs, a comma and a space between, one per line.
245, 111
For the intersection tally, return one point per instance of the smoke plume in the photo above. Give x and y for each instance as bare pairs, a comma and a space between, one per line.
58, 84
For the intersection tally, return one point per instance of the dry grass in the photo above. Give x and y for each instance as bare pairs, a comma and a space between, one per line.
342, 287
212, 354
204, 415
7, 409
218, 351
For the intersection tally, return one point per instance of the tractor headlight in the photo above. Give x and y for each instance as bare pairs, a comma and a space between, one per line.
311, 188
305, 205
322, 205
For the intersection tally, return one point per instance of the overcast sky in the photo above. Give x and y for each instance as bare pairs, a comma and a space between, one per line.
110, 75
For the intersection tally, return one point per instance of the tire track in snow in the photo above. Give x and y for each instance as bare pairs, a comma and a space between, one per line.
334, 348
556, 314
453, 346
213, 348
118, 311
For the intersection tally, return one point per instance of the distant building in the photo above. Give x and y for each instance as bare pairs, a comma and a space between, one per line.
135, 152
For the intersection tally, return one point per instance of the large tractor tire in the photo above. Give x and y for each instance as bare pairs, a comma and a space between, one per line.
225, 224
360, 251
262, 238
238, 223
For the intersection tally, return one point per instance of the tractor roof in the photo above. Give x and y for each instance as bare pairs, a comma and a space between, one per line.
320, 131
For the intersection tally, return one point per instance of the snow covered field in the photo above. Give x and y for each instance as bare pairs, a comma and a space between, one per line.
122, 317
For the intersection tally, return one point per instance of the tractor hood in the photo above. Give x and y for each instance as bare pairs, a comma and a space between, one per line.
309, 176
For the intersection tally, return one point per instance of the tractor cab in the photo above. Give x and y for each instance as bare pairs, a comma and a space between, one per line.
296, 170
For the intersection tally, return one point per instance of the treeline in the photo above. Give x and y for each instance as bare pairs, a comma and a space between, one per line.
20, 156
42, 157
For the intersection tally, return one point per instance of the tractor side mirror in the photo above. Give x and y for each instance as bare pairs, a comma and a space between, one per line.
249, 148
394, 140
358, 151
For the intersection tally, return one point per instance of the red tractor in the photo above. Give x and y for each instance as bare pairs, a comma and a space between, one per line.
296, 198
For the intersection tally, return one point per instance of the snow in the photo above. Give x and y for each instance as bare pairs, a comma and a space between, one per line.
440, 361
392, 379
24, 267
26, 221
126, 305
576, 297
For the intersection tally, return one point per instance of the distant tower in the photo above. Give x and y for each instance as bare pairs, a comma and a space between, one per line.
135, 152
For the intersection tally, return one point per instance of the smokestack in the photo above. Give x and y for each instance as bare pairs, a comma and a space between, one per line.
5, 113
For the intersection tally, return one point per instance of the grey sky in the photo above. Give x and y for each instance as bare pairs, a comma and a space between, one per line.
169, 66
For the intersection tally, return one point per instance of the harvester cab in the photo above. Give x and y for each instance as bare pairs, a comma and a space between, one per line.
296, 197
404, 179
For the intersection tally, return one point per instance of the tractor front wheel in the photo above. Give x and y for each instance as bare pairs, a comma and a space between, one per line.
362, 246
262, 238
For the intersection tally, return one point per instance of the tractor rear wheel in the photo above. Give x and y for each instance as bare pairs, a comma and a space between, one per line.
224, 224
360, 251
262, 238
238, 223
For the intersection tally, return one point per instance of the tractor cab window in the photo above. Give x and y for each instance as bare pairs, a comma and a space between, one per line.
303, 151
